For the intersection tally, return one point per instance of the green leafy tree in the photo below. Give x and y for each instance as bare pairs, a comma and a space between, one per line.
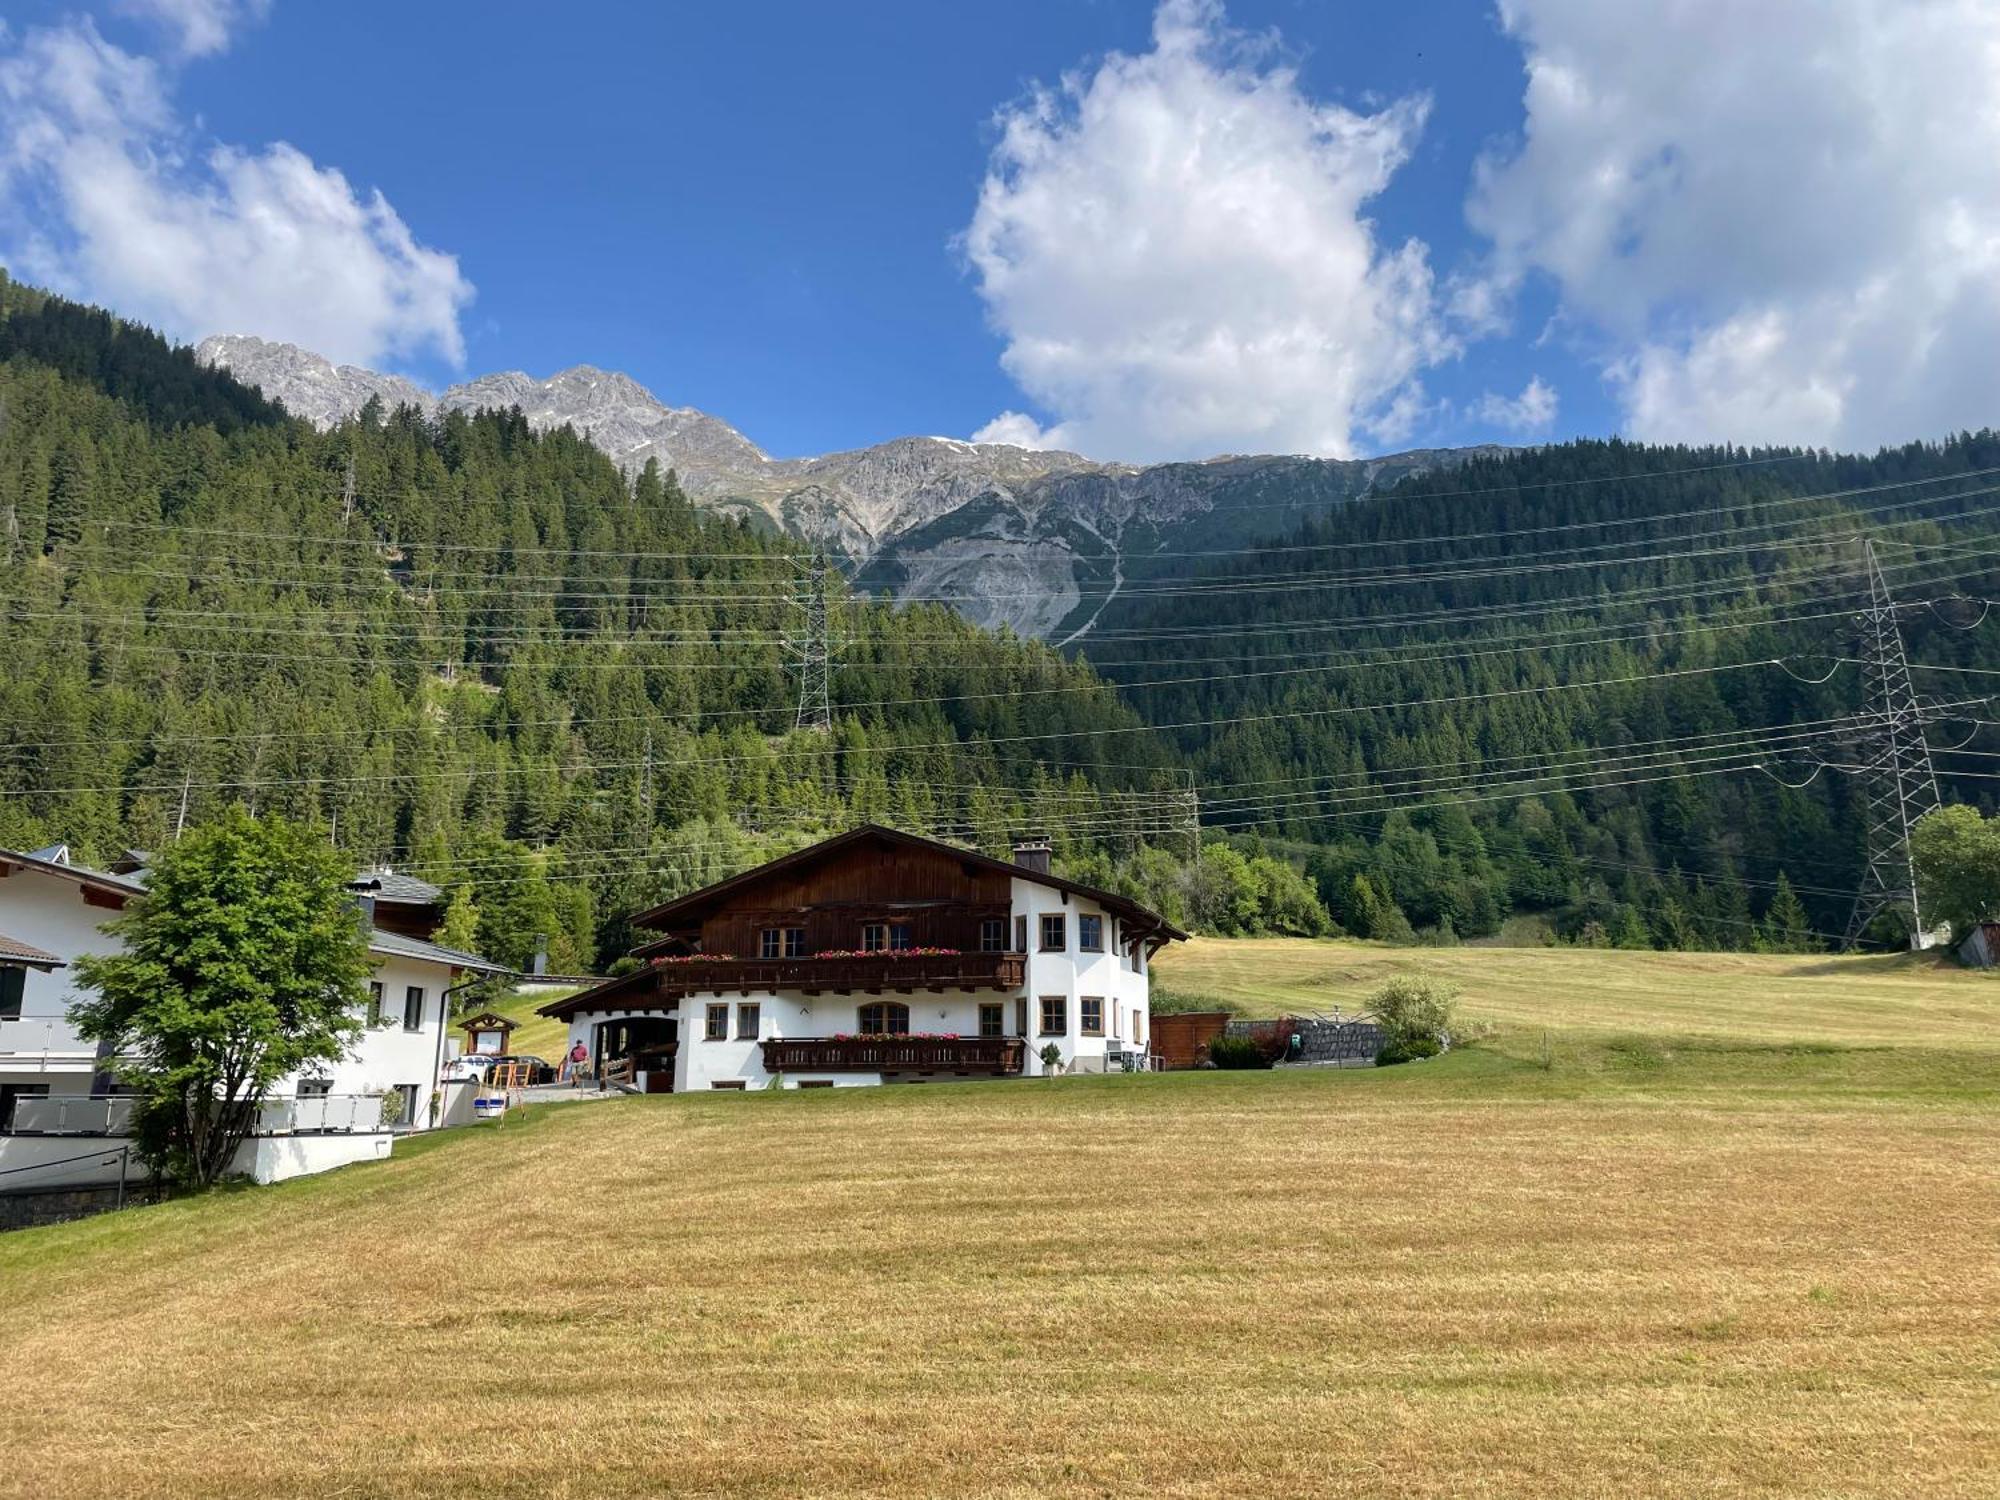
243, 963
1957, 855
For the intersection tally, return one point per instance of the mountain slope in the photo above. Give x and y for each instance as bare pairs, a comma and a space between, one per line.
1009, 536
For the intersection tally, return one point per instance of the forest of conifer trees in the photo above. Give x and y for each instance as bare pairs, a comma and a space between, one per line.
1590, 693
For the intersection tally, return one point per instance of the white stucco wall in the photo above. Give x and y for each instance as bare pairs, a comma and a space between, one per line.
1073, 973
387, 1055
49, 912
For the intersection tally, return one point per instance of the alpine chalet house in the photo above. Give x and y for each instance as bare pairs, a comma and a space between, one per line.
876, 957
52, 1082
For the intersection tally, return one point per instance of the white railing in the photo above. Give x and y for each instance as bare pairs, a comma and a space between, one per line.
102, 1114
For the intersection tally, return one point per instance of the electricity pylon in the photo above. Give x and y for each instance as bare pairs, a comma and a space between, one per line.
810, 642
1897, 783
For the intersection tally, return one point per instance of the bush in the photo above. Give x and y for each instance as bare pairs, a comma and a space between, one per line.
1409, 1051
1166, 1002
1415, 1010
1237, 1052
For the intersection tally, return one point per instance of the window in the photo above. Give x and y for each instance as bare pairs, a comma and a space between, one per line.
993, 935
1055, 1015
315, 1088
1020, 1015
727, 1083
1138, 1026
816, 1083
413, 1008
1090, 933
1055, 932
992, 1019
375, 1003
406, 1111
13, 981
747, 1016
1090, 1012
885, 1018
771, 943
716, 1027
1020, 934
795, 942
878, 937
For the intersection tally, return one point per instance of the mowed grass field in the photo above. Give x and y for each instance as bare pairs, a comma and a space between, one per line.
1921, 1000
1685, 1258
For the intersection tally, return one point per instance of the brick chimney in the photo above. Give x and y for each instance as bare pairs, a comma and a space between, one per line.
1032, 854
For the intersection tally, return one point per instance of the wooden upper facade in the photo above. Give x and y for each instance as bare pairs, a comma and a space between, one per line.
927, 895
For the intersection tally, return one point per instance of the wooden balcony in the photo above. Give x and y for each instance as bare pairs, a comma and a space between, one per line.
884, 974
997, 1056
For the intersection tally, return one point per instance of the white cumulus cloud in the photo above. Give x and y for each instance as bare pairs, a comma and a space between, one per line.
1773, 222
1174, 248
1534, 410
106, 193
199, 28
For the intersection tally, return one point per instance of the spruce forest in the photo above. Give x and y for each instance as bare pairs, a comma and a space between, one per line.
1596, 693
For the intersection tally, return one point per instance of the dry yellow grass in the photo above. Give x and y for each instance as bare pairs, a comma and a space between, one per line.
1855, 1001
1660, 1268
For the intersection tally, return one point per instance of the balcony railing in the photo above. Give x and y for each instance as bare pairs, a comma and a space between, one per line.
873, 974
1000, 1056
71, 1114
102, 1114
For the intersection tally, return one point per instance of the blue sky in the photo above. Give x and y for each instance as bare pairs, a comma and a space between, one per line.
757, 209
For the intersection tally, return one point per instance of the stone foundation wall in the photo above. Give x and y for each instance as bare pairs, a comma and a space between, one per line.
26, 1210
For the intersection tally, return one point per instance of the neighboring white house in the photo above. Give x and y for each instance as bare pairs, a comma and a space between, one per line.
54, 1084
874, 957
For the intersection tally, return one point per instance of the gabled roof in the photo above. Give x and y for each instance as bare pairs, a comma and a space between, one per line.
14, 951
100, 880
387, 885
685, 908
395, 945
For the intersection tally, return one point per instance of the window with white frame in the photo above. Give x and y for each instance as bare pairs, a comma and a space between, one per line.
715, 1025
748, 1014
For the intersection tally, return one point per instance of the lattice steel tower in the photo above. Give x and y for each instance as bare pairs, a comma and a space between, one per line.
810, 643
1895, 773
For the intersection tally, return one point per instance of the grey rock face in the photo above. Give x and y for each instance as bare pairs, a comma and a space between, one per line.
1036, 541
309, 385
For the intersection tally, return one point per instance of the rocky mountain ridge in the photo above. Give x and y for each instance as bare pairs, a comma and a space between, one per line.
1034, 540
